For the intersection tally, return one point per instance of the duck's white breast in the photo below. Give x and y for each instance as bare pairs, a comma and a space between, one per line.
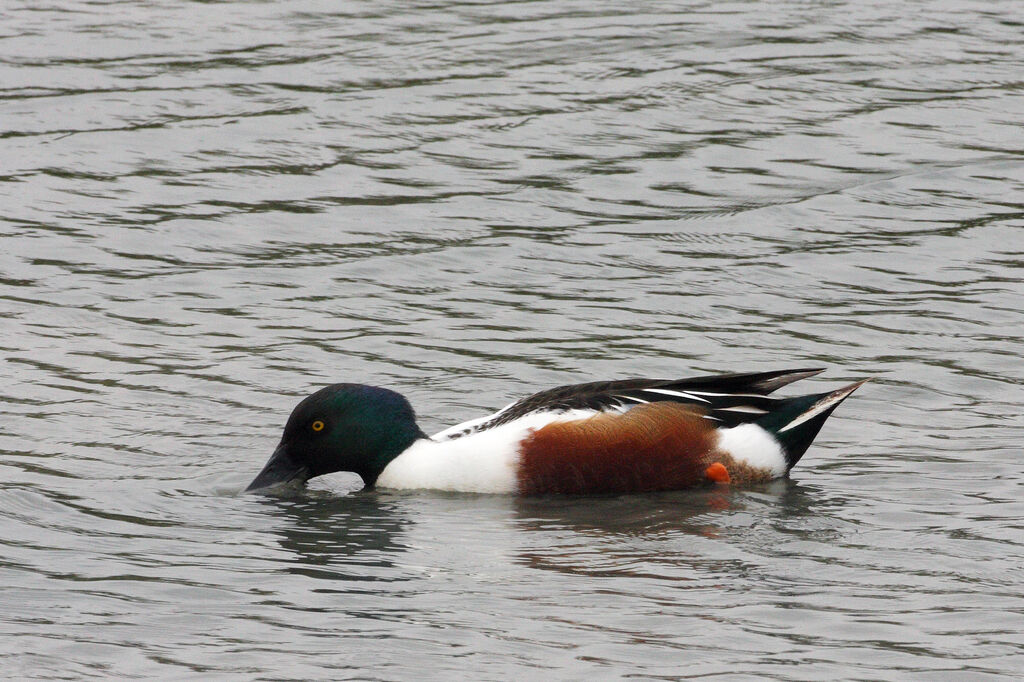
485, 462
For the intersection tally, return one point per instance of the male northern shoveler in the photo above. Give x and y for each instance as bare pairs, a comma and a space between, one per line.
634, 435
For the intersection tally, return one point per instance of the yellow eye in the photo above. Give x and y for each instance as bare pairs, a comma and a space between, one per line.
318, 425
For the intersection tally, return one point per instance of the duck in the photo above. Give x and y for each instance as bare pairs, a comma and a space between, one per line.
605, 437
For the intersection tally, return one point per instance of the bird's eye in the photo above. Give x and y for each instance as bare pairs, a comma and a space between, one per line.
318, 425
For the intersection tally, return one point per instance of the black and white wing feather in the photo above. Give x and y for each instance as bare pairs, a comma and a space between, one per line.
731, 399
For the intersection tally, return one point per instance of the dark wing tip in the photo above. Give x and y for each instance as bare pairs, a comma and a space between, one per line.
773, 381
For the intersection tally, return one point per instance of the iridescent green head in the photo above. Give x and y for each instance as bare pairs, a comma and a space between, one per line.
343, 427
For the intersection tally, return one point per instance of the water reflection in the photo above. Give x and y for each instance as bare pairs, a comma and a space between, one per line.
348, 538
620, 515
693, 511
658, 535
359, 536
467, 204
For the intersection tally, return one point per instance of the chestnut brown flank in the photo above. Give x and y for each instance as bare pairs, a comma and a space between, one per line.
656, 446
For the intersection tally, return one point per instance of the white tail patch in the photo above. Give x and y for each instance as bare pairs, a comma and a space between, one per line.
831, 400
755, 447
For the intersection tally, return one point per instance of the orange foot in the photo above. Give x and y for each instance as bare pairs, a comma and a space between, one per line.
717, 473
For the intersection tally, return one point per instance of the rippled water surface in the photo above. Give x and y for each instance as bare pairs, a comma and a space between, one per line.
210, 209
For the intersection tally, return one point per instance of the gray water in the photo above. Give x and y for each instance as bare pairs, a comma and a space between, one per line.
209, 210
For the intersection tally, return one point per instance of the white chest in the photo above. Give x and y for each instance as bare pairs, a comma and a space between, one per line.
486, 462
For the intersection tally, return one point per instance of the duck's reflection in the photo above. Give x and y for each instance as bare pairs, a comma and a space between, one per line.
352, 536
650, 535
361, 536
686, 510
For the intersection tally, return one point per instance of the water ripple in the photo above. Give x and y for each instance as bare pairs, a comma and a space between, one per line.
210, 209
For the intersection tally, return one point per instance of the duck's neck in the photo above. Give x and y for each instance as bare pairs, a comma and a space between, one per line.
371, 469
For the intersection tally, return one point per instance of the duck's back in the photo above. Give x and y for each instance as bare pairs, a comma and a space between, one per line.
622, 437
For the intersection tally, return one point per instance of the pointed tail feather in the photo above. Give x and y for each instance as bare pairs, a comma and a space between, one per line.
798, 420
